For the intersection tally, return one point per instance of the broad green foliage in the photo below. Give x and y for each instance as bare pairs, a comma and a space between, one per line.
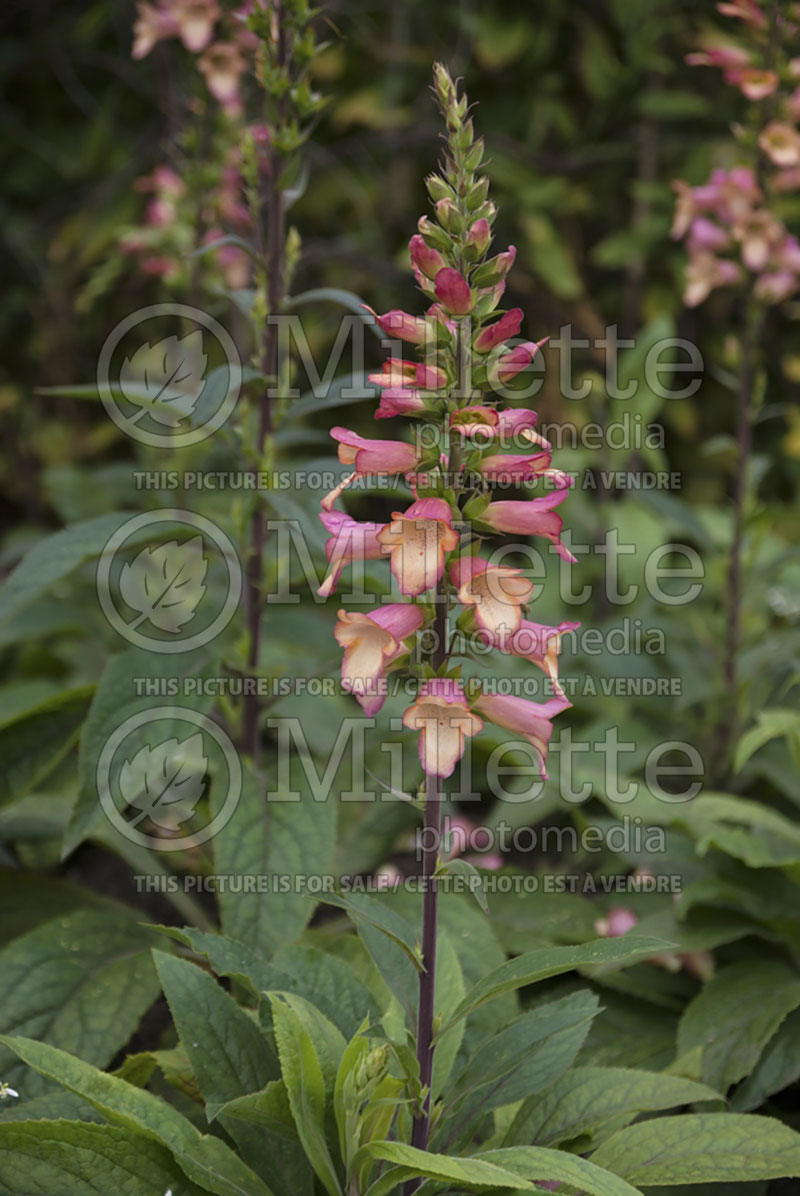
80, 982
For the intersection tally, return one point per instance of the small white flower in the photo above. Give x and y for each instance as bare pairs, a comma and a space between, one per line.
6, 1091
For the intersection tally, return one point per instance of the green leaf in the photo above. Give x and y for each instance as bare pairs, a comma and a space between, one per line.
521, 1059
778, 1067
55, 1105
538, 1162
702, 1148
552, 961
774, 723
327, 982
368, 912
586, 1097
411, 1163
735, 1015
80, 982
458, 867
449, 991
32, 745
326, 398
748, 830
116, 699
205, 1159
269, 1109
229, 1053
346, 299
550, 257
78, 1158
305, 1087
57, 556
227, 956
273, 839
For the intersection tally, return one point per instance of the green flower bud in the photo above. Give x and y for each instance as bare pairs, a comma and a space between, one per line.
449, 216
438, 188
433, 236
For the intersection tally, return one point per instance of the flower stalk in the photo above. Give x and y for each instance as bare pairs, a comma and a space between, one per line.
432, 546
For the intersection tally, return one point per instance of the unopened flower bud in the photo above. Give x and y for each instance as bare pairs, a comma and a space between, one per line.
449, 216
438, 188
433, 236
479, 236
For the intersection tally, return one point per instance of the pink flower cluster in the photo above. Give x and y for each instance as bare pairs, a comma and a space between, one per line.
428, 545
223, 60
730, 228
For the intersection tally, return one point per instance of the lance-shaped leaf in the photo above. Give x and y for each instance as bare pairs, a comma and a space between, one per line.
552, 961
73, 1158
538, 1162
205, 1159
587, 1097
229, 1053
305, 1086
165, 584
696, 1148
80, 982
736, 1014
523, 1058
411, 1163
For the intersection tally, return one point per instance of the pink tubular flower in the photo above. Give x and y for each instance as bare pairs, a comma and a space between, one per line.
444, 720
529, 720
529, 517
401, 326
430, 377
479, 235
453, 292
518, 422
373, 642
775, 286
495, 593
513, 468
153, 23
222, 65
369, 456
535, 642
428, 261
398, 400
468, 420
395, 372
705, 234
195, 20
755, 84
515, 361
348, 541
417, 541
780, 141
744, 10
704, 273
504, 328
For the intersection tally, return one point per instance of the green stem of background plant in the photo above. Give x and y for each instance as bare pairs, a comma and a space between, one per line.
275, 276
